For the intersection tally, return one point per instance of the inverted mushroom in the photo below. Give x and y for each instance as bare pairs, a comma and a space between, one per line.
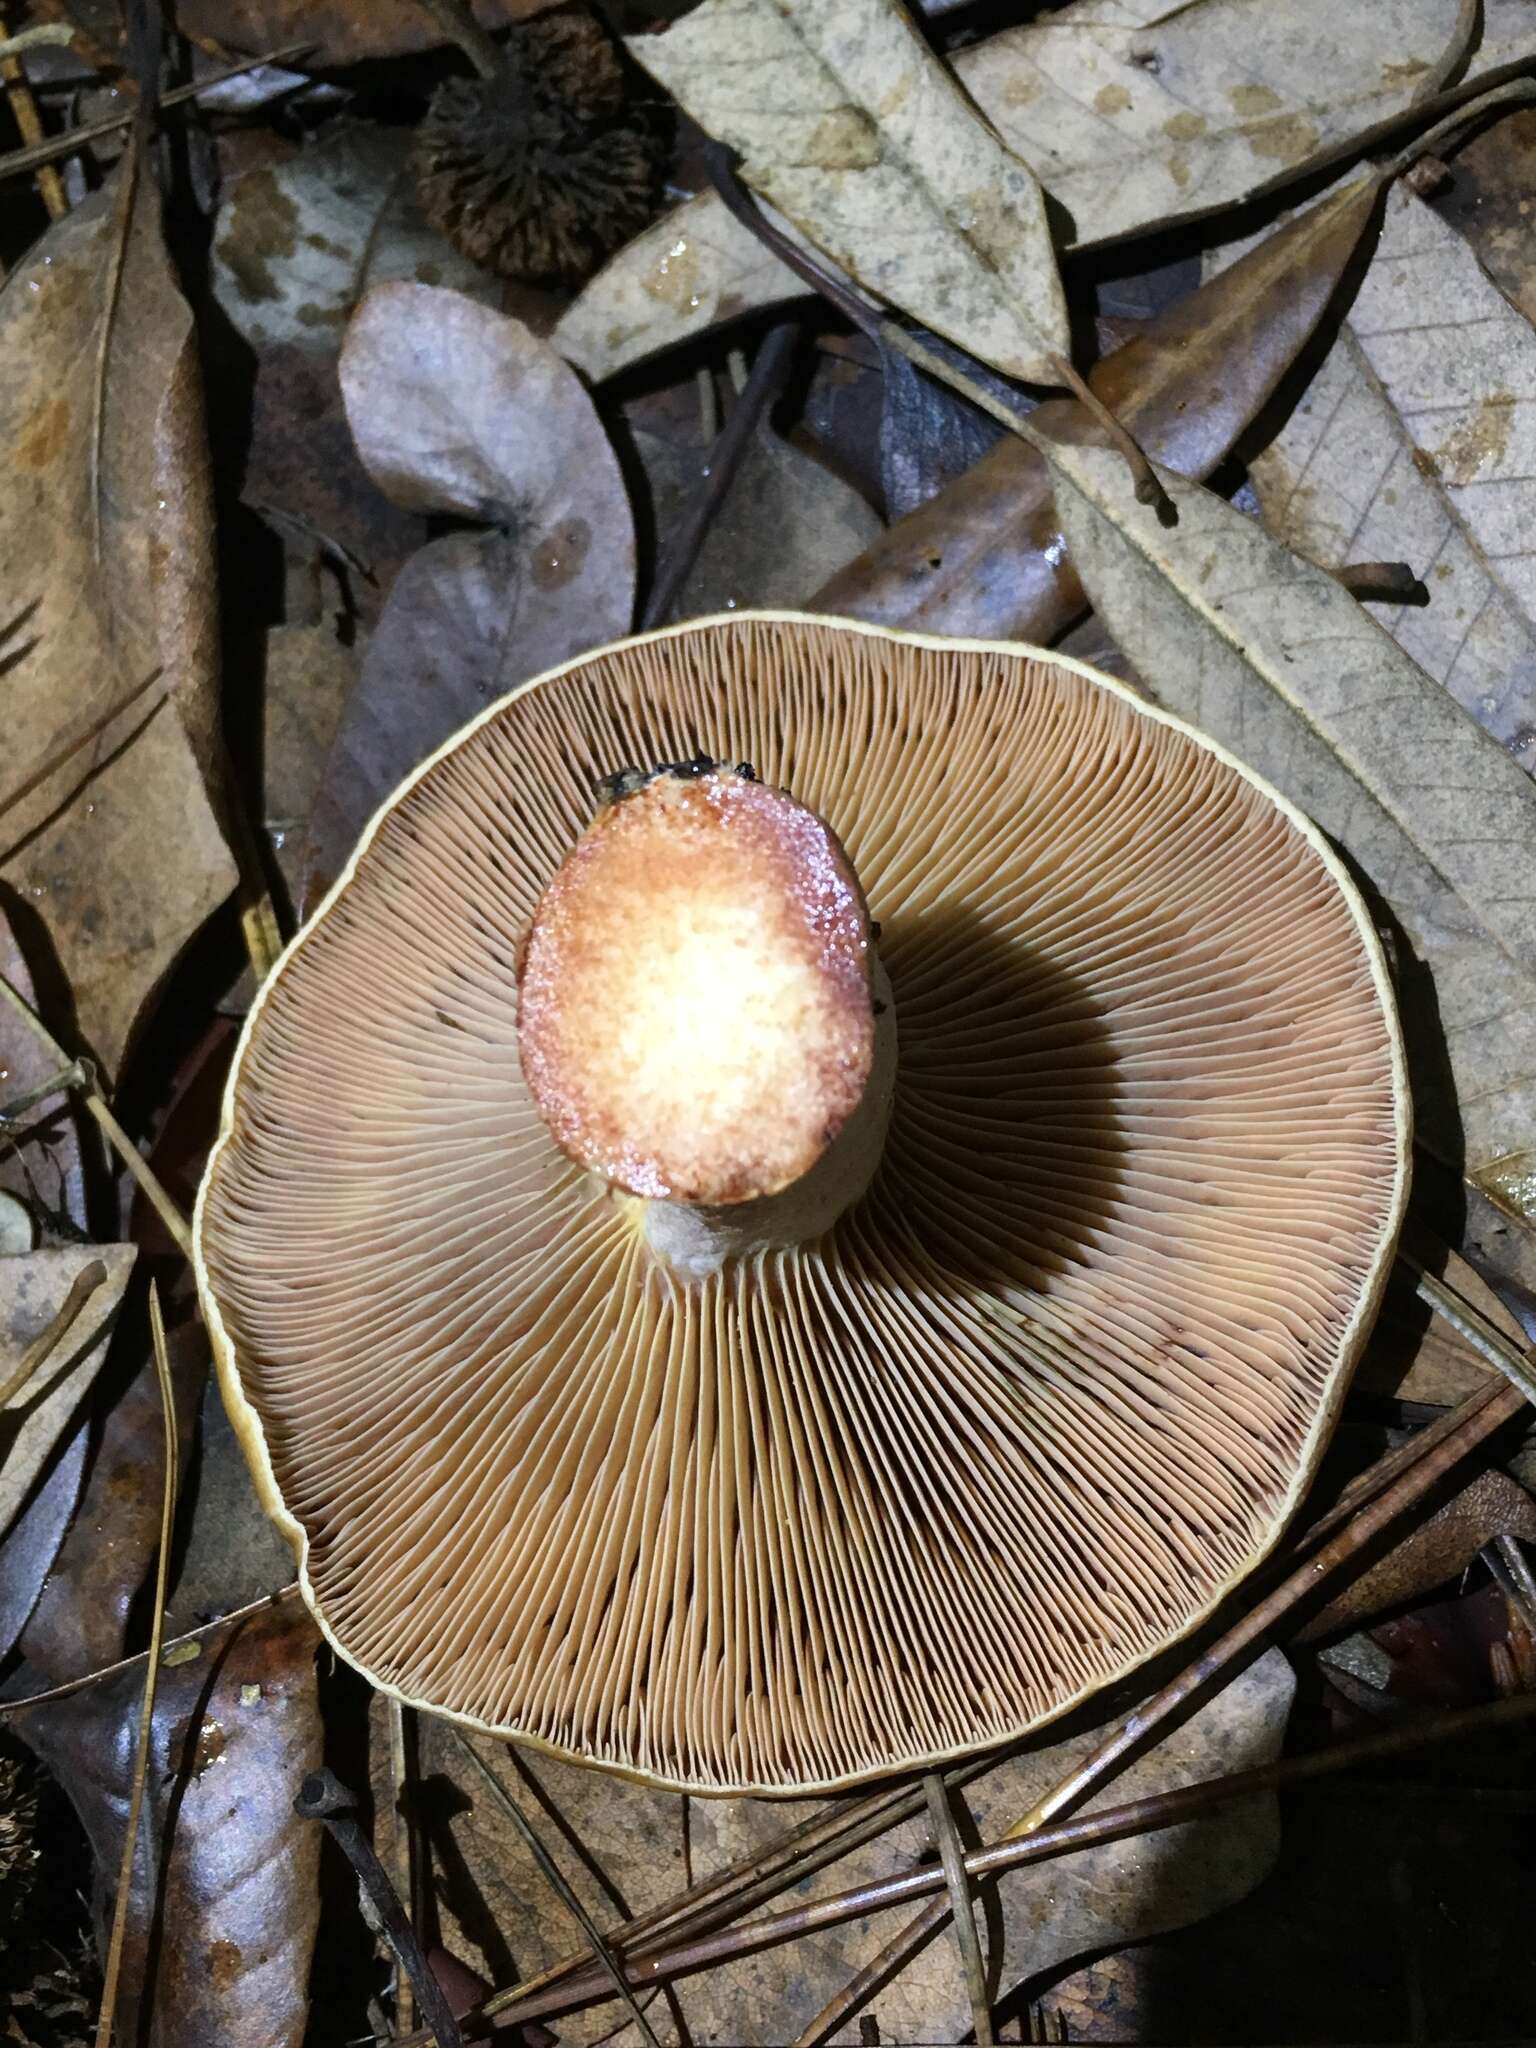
851, 1426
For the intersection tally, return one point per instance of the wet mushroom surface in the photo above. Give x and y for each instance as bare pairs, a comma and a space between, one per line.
754, 1509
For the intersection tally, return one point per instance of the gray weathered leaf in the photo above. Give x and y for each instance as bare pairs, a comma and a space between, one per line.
297, 244
1416, 441
852, 128
458, 409
1275, 660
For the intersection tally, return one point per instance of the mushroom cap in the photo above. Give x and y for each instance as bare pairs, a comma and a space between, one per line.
695, 1009
1015, 1424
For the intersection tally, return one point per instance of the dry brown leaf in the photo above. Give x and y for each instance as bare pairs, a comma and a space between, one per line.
297, 244
308, 677
106, 532
622, 1847
1275, 660
1488, 200
458, 409
855, 131
1416, 441
225, 1896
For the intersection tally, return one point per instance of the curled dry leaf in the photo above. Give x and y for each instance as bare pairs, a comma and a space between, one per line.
38, 1423
1416, 441
1278, 662
106, 826
225, 1893
622, 1848
458, 409
851, 127
1129, 112
986, 555
297, 244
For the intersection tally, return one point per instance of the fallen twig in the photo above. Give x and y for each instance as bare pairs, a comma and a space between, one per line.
151, 1679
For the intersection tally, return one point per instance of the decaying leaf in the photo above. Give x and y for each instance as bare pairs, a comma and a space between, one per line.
1129, 113
622, 1848
692, 269
1487, 198
986, 556
1274, 659
297, 244
332, 32
106, 525
1416, 441
309, 675
1135, 112
929, 434
784, 519
42, 1415
225, 1897
41, 1161
1414, 1355
458, 409
848, 124
1431, 1553
83, 1615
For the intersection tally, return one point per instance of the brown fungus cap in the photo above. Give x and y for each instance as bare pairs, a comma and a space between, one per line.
1009, 1428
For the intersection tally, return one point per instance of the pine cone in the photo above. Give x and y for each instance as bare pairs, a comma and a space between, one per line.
540, 173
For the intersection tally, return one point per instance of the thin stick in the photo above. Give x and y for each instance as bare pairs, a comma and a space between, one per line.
1453, 56
1087, 1831
833, 1834
405, 2001
1149, 491
725, 459
20, 161
951, 1850
81, 1288
457, 21
1477, 1420
50, 186
113, 1131
555, 1877
1474, 1328
72, 1076
236, 1618
151, 1678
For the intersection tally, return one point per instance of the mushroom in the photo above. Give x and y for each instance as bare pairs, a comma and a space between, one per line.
687, 1325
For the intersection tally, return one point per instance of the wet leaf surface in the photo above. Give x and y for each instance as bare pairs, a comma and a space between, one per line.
459, 409
225, 1900
109, 835
850, 127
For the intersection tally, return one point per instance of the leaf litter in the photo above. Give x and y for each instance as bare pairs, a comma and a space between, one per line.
424, 503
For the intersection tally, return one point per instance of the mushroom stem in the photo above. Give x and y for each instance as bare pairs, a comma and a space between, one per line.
703, 1021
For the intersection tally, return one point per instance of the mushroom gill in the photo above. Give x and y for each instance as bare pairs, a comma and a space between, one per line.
914, 1480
